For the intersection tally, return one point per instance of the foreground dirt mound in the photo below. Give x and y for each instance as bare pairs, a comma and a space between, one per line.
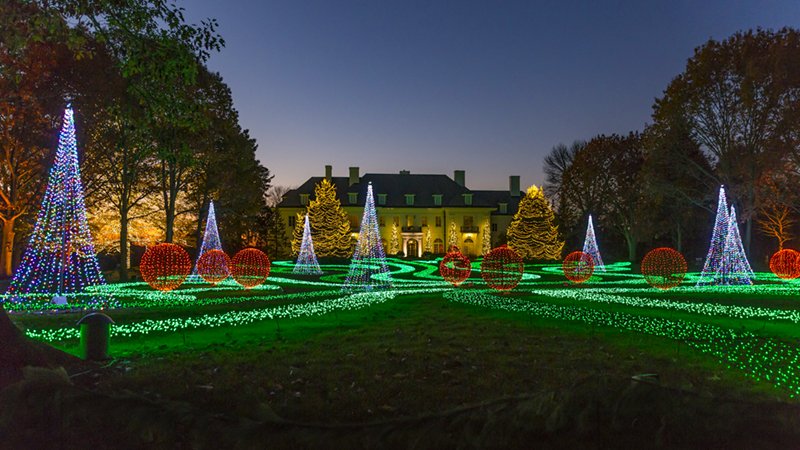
45, 410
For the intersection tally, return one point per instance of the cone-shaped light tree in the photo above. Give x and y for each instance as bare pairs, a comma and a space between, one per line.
368, 269
532, 233
307, 263
329, 224
734, 267
60, 257
590, 247
716, 249
210, 236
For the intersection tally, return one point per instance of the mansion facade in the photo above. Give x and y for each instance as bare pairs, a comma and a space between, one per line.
424, 208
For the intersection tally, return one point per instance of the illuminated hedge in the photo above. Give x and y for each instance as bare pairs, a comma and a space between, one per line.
664, 268
502, 268
165, 266
785, 264
250, 267
455, 267
213, 266
578, 267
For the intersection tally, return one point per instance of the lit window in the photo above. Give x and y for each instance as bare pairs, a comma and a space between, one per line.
468, 199
303, 199
439, 221
396, 221
503, 208
424, 221
409, 199
352, 197
437, 199
438, 246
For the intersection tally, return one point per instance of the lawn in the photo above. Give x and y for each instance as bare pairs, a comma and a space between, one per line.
298, 363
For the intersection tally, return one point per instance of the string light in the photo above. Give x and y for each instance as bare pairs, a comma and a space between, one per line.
210, 237
664, 268
165, 266
502, 268
60, 257
368, 269
717, 247
250, 267
578, 267
734, 267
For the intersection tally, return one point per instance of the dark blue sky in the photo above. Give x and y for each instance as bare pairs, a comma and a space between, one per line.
433, 86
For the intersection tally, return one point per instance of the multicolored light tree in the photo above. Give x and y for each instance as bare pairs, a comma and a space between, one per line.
590, 247
307, 263
734, 267
368, 269
210, 236
718, 237
533, 233
60, 257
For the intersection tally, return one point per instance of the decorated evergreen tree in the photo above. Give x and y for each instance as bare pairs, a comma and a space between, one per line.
368, 269
394, 242
210, 236
532, 233
487, 238
307, 263
60, 257
452, 236
428, 248
716, 249
590, 248
329, 224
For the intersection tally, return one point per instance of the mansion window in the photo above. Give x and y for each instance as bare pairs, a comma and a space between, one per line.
352, 197
409, 199
439, 221
438, 246
381, 199
424, 221
292, 221
381, 221
468, 199
410, 221
303, 199
396, 221
437, 199
503, 208
494, 227
467, 221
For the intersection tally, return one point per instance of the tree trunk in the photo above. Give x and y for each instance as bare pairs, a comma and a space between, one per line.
7, 243
631, 241
123, 243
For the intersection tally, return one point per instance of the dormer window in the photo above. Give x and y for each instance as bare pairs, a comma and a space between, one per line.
503, 208
304, 199
352, 197
437, 199
409, 199
381, 199
467, 199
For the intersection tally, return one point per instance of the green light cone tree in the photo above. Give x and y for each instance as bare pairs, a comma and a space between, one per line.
533, 233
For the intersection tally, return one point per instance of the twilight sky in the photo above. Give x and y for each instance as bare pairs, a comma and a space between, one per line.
433, 86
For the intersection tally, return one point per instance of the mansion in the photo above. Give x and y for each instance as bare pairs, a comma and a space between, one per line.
424, 208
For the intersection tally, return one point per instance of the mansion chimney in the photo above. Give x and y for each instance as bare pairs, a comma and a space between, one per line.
513, 185
353, 176
328, 172
458, 177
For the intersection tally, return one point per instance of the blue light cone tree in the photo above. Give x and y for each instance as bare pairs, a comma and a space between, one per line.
368, 269
590, 248
716, 250
210, 238
307, 263
60, 257
734, 267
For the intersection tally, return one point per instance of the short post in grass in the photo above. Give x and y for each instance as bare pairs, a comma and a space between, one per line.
95, 332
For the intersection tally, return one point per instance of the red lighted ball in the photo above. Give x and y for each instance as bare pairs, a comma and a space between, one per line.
502, 268
213, 266
250, 267
455, 267
785, 264
165, 266
664, 268
578, 267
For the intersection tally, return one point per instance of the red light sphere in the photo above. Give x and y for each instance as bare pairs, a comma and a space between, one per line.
785, 264
165, 266
250, 267
455, 267
578, 267
664, 268
502, 268
213, 266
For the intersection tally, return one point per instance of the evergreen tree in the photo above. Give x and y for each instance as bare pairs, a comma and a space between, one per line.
532, 233
394, 242
428, 242
487, 238
452, 236
307, 261
329, 224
